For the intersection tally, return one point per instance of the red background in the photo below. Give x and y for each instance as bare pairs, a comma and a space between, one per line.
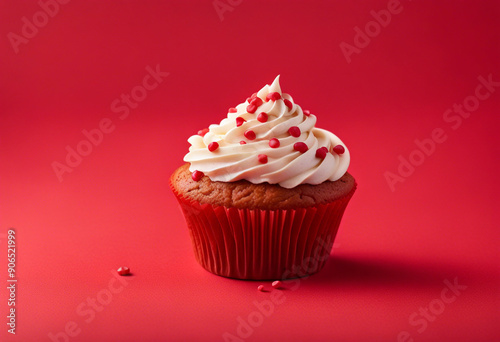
394, 249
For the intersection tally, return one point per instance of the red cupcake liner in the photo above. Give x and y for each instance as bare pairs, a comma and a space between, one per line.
262, 244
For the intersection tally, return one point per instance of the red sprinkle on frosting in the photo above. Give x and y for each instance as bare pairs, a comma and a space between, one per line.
257, 101
276, 284
274, 143
294, 131
260, 288
203, 131
213, 146
306, 112
262, 117
232, 110
273, 96
288, 104
321, 152
262, 158
253, 96
240, 121
300, 146
197, 175
251, 108
249, 134
243, 142
339, 149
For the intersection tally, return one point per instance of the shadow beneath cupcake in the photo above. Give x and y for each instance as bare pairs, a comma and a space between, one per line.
370, 271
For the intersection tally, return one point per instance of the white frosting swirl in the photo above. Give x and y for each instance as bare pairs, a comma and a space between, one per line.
285, 166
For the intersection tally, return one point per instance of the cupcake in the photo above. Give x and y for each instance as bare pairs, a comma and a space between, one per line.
264, 191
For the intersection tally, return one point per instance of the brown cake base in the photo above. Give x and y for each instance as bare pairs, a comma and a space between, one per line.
243, 194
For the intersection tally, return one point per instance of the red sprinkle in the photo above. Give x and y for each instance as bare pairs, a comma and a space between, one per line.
257, 101
339, 149
243, 142
260, 288
240, 121
300, 146
288, 104
262, 117
321, 152
262, 158
273, 96
213, 146
276, 284
249, 99
249, 134
274, 143
294, 131
251, 108
306, 112
254, 104
203, 131
197, 175
232, 110
123, 271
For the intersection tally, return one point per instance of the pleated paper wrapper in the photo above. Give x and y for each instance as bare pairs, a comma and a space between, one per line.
262, 244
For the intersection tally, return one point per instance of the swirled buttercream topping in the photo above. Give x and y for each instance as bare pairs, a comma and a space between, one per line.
268, 138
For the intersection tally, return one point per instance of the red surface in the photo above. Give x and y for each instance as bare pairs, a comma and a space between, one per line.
395, 249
